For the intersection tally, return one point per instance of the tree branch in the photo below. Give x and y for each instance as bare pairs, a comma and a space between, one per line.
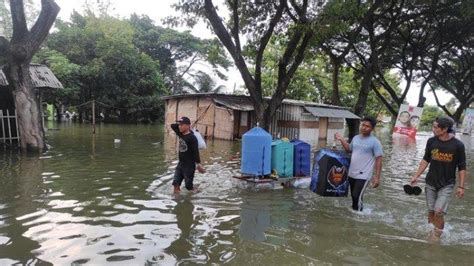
224, 37
235, 28
439, 104
284, 77
384, 101
47, 16
20, 29
265, 39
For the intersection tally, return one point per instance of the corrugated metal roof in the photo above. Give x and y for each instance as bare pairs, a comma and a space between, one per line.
243, 103
330, 112
41, 75
240, 103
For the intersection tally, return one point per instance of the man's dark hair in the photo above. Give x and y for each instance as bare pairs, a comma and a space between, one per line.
371, 120
445, 122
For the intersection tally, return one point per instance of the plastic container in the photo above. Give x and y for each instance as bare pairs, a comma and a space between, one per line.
330, 170
282, 158
256, 152
301, 158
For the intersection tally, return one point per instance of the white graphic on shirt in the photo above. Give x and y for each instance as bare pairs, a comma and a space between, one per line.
183, 147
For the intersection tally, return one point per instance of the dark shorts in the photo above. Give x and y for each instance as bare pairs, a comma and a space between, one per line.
185, 173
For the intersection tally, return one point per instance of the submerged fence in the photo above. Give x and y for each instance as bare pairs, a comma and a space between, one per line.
9, 127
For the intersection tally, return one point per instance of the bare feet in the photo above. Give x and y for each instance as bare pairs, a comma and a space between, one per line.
195, 189
176, 189
435, 236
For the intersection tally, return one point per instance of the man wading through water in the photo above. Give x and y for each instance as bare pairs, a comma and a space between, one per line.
188, 156
366, 152
444, 154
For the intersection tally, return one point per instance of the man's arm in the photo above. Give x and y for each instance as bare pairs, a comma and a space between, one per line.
462, 171
421, 169
197, 158
195, 148
423, 164
344, 143
378, 172
460, 188
175, 128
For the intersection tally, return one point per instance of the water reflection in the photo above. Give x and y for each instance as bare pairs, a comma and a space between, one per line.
181, 247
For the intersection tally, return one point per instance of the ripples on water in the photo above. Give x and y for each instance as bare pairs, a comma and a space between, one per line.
90, 201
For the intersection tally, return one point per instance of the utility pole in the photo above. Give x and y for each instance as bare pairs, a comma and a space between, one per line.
93, 116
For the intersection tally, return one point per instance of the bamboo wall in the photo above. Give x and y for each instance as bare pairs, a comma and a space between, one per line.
290, 121
213, 121
224, 120
205, 114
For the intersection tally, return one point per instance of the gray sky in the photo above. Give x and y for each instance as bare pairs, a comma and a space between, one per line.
157, 10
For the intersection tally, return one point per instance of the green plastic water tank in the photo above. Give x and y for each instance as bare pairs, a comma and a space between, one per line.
282, 158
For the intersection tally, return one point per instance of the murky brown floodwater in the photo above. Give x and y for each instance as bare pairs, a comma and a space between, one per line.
95, 202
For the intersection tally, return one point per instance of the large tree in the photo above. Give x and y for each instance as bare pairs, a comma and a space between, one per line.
297, 23
18, 52
107, 67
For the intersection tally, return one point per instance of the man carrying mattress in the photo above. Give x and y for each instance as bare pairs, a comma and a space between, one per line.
188, 156
366, 152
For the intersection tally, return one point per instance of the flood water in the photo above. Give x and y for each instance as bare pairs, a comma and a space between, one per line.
89, 200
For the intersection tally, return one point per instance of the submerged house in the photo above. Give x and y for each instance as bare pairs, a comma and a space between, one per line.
228, 117
42, 78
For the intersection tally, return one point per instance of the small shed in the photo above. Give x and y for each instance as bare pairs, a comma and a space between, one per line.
228, 117
42, 78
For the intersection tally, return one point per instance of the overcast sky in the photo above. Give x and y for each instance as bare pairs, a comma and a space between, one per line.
157, 10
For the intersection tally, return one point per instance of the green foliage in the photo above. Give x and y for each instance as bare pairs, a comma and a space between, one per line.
65, 71
31, 14
97, 59
171, 47
126, 65
430, 113
313, 81
204, 83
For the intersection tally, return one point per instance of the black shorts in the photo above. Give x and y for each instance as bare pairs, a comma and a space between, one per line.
186, 173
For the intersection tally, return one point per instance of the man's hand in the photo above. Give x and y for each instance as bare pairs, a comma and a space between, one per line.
375, 181
337, 136
414, 180
460, 192
200, 168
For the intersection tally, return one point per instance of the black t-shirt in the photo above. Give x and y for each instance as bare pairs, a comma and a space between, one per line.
188, 148
444, 157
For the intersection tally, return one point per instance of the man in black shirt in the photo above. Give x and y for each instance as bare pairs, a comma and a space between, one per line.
443, 154
188, 156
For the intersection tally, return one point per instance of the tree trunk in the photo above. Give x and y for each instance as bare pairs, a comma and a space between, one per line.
335, 99
361, 103
353, 126
18, 52
58, 113
27, 107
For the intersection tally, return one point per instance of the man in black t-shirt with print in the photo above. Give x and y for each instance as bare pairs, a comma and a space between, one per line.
188, 155
443, 154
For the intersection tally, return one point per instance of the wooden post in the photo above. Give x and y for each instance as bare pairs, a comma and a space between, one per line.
9, 127
41, 109
3, 126
17, 130
93, 116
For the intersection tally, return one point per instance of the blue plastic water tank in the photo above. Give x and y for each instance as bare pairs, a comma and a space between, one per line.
302, 158
256, 152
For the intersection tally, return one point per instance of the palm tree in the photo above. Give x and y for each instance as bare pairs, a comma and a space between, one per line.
203, 83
